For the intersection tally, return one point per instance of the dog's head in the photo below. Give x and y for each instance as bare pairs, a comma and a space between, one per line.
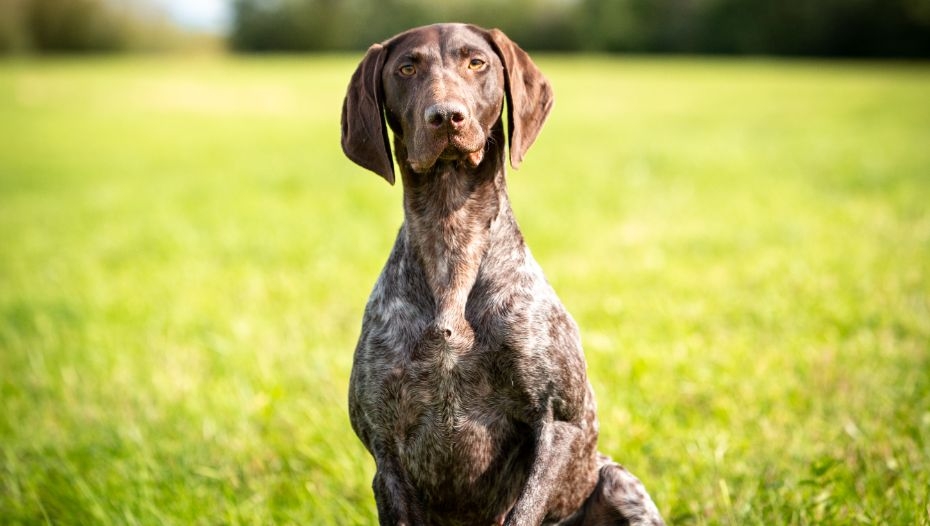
441, 89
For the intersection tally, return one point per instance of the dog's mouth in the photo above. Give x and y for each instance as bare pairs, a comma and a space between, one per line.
455, 147
455, 153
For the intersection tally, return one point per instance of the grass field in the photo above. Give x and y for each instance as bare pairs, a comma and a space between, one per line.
185, 257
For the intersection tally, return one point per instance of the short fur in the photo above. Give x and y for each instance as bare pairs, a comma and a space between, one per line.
469, 385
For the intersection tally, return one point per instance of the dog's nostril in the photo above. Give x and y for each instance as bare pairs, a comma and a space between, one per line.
457, 117
434, 117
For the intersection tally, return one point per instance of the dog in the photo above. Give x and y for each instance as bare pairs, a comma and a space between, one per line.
469, 385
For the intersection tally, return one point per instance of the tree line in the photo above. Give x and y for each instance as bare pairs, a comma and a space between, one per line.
839, 28
91, 26
851, 28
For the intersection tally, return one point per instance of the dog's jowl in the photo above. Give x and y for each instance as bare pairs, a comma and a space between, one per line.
469, 385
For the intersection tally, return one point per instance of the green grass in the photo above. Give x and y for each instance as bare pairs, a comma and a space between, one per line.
185, 256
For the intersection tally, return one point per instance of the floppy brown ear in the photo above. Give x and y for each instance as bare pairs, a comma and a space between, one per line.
364, 134
529, 96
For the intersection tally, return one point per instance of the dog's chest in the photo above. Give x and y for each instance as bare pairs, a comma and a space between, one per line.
448, 406
449, 417
454, 414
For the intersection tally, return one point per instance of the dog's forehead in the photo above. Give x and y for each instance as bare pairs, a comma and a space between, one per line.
439, 40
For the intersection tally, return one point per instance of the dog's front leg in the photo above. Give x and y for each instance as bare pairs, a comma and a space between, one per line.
396, 506
554, 443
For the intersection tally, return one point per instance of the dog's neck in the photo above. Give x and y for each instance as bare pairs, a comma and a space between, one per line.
452, 213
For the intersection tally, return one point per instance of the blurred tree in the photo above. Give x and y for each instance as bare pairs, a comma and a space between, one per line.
824, 27
73, 25
56, 26
14, 36
302, 25
813, 27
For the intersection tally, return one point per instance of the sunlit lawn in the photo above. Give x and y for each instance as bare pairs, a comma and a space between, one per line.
185, 255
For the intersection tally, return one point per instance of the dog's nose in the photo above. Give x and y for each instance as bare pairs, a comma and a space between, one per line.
452, 114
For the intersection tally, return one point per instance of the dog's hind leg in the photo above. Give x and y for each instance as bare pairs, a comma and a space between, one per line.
619, 499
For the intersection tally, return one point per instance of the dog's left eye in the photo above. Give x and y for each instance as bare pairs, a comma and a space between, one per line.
407, 70
475, 64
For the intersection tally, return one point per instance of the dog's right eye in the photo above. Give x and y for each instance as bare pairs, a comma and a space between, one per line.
407, 70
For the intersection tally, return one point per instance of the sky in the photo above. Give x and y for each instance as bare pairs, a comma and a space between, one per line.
206, 15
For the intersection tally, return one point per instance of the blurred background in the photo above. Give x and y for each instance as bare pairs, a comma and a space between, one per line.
836, 28
729, 196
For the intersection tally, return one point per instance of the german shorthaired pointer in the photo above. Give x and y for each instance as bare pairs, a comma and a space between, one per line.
469, 385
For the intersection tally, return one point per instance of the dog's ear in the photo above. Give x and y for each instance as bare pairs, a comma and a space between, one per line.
364, 134
529, 95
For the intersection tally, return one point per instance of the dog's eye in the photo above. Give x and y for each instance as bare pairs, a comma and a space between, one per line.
476, 64
407, 70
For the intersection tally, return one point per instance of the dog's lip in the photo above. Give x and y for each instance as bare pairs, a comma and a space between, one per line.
473, 158
453, 148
